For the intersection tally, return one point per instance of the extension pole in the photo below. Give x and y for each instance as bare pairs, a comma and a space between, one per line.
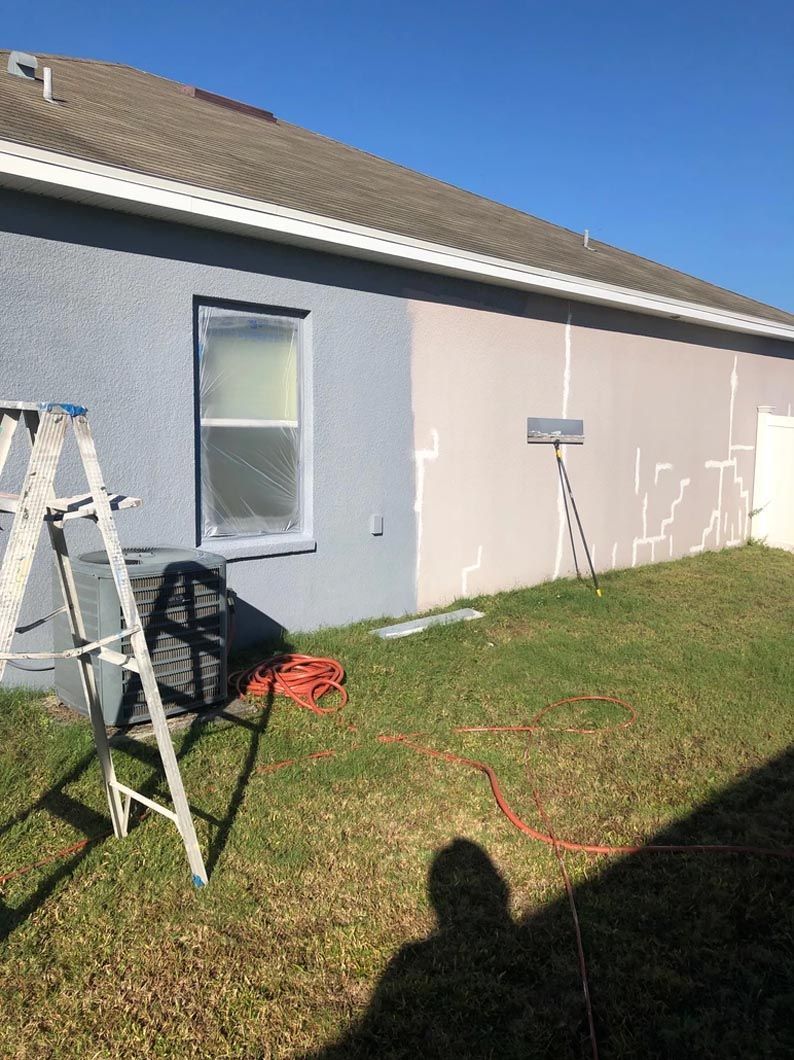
558, 454
567, 512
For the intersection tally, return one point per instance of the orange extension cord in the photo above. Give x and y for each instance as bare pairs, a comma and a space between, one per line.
305, 680
559, 845
267, 677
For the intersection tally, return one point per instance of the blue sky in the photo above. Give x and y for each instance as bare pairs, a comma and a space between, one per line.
665, 128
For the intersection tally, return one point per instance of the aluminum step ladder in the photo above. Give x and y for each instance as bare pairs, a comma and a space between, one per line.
47, 425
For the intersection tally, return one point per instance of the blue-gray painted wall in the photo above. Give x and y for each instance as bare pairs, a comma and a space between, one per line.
97, 307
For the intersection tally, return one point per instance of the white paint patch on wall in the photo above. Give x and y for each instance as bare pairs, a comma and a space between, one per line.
660, 467
464, 574
566, 392
664, 526
718, 520
476, 376
422, 457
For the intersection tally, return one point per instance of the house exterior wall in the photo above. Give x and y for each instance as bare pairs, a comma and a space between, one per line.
97, 308
420, 389
667, 465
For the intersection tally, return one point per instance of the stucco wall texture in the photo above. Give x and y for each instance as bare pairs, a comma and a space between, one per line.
667, 465
97, 308
420, 390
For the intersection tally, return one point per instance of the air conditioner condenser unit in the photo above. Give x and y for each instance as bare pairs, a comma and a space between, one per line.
181, 598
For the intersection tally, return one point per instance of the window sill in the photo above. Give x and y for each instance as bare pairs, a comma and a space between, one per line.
232, 548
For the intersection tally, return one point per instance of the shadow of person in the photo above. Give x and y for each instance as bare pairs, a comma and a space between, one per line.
465, 991
688, 954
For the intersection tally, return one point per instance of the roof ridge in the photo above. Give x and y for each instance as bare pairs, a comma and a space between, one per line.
74, 59
101, 62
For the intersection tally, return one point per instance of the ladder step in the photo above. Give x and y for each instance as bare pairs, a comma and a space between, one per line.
80, 506
92, 647
131, 793
118, 658
20, 406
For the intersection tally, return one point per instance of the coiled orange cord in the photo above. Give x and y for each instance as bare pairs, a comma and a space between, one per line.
304, 679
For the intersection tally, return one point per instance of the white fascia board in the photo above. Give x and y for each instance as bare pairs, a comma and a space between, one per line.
52, 173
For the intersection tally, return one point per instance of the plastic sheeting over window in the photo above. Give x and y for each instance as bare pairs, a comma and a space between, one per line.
250, 429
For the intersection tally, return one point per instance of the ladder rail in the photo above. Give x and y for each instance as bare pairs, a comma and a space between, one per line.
9, 421
140, 649
26, 528
85, 670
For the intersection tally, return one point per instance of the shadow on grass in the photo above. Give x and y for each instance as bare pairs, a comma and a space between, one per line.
689, 955
96, 827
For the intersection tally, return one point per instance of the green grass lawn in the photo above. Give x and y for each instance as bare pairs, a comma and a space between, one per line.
377, 903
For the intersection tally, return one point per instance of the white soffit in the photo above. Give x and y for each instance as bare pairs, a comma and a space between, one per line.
57, 175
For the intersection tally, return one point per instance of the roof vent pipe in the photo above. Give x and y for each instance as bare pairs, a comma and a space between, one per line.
48, 84
585, 240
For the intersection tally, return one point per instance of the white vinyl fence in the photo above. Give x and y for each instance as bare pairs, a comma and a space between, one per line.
773, 492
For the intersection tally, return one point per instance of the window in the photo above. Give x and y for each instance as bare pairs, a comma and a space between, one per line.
250, 412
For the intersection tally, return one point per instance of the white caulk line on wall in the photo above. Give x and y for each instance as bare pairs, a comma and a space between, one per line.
466, 571
668, 522
566, 390
660, 467
716, 522
734, 388
637, 472
664, 526
422, 457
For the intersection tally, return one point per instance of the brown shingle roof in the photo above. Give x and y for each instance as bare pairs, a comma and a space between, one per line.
120, 116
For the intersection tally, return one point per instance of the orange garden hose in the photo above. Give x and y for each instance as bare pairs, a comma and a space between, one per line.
304, 679
63, 853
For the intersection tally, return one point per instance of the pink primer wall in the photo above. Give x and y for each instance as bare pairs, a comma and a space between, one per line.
666, 469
